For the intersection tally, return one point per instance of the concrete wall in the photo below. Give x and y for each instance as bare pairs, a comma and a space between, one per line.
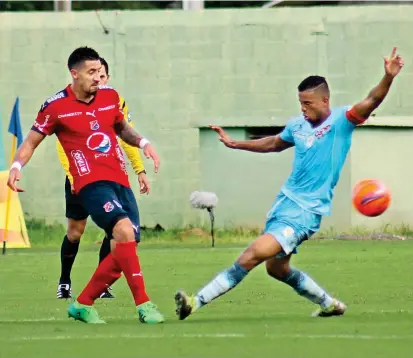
238, 68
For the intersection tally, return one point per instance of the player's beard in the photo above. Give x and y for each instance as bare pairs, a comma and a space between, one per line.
93, 89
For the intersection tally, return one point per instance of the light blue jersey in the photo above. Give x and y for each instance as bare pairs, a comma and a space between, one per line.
320, 154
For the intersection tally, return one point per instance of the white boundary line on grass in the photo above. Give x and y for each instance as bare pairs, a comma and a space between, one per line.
203, 335
65, 319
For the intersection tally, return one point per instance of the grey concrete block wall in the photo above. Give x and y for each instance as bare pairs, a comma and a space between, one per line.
182, 70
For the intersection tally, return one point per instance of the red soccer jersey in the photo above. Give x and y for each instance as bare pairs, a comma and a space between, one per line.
87, 135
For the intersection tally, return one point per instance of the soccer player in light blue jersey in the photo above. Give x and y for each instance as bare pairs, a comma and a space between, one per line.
322, 138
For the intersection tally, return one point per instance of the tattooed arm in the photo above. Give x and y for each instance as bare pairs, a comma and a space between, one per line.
131, 137
128, 134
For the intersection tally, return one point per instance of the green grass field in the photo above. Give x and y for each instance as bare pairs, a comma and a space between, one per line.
260, 317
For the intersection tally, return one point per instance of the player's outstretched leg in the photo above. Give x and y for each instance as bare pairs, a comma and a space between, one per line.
304, 285
105, 251
260, 250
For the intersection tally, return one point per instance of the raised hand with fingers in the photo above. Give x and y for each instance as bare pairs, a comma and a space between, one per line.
223, 136
393, 64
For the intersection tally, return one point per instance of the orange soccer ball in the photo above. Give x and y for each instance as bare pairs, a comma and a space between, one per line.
371, 197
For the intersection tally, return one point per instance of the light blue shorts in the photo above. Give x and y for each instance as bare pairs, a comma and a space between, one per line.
290, 224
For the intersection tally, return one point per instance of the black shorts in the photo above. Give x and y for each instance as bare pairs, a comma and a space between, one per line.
107, 202
74, 207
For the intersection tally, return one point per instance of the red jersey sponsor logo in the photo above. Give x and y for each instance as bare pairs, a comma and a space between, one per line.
121, 159
107, 108
81, 162
41, 126
99, 142
92, 114
73, 114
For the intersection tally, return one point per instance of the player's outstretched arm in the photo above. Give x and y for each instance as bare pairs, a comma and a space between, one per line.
263, 145
22, 157
392, 67
131, 137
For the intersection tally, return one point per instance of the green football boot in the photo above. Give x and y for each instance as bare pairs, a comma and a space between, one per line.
83, 313
148, 313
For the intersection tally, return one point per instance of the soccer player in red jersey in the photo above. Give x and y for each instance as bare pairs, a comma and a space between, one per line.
86, 118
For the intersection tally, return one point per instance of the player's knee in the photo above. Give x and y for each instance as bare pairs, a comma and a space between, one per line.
74, 235
123, 231
278, 272
75, 230
259, 251
249, 259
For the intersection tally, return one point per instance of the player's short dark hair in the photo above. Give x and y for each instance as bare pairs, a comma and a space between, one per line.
312, 82
80, 55
105, 64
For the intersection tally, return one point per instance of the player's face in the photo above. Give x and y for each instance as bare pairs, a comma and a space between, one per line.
104, 77
314, 105
87, 76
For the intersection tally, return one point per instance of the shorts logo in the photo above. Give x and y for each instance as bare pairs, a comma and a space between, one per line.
288, 232
80, 162
94, 125
108, 207
99, 142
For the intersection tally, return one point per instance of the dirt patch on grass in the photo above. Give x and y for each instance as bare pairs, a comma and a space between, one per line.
370, 236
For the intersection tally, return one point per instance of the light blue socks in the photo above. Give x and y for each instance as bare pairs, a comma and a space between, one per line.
305, 286
222, 283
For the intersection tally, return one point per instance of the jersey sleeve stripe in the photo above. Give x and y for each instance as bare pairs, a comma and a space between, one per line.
354, 117
37, 130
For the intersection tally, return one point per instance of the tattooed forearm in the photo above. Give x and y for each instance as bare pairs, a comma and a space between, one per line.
128, 134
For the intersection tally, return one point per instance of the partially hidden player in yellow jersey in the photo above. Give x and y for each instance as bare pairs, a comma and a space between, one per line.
77, 215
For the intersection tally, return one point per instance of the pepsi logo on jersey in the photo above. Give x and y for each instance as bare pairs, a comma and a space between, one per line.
99, 142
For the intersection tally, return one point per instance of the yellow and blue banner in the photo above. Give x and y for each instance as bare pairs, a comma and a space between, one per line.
13, 231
